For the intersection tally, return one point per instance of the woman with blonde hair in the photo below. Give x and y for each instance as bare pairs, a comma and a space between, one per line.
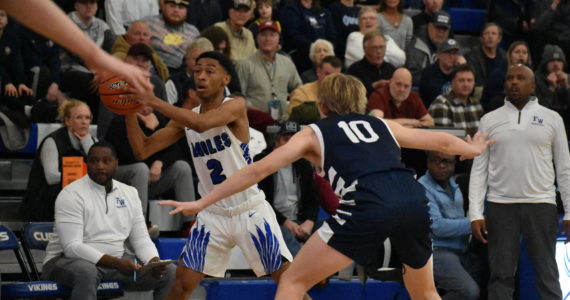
48, 175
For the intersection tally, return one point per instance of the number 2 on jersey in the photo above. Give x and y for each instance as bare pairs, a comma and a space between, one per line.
216, 167
354, 133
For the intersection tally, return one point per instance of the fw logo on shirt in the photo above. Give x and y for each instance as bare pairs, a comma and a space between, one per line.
537, 121
120, 202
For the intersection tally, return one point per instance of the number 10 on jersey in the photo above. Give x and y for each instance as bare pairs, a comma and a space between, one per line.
355, 134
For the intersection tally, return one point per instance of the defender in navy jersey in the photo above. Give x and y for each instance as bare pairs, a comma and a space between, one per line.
360, 157
217, 132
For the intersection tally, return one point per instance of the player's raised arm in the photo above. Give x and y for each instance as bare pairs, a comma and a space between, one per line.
439, 141
226, 113
144, 146
302, 145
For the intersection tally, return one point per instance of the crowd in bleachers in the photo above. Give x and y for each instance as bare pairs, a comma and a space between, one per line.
407, 54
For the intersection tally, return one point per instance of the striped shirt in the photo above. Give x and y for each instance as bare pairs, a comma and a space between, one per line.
170, 42
449, 111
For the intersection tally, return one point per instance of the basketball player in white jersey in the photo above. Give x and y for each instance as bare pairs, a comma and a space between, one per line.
217, 132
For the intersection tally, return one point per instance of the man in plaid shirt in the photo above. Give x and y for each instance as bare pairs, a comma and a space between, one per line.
458, 108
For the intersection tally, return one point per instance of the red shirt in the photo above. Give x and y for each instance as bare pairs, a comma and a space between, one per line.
411, 108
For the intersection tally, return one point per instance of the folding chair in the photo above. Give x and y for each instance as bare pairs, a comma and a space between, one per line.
36, 236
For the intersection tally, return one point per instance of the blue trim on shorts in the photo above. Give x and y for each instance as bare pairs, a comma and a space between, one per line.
194, 253
268, 248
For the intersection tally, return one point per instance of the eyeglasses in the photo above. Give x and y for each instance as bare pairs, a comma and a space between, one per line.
444, 161
82, 117
376, 48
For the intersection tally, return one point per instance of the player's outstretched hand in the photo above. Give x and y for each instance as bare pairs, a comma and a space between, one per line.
186, 208
103, 64
479, 142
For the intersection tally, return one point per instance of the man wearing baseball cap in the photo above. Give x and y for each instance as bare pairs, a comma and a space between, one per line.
240, 37
267, 77
436, 78
421, 51
170, 34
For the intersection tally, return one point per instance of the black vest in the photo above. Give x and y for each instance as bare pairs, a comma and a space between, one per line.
39, 199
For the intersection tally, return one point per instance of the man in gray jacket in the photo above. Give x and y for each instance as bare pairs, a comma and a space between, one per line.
421, 51
517, 177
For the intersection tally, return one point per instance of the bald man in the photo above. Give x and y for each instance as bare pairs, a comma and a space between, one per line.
397, 101
139, 33
516, 176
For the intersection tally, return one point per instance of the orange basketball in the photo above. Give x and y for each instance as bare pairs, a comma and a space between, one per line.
113, 94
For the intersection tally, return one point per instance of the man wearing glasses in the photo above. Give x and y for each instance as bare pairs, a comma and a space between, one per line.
451, 229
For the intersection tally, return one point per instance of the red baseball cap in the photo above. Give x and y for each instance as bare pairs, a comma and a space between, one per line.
270, 25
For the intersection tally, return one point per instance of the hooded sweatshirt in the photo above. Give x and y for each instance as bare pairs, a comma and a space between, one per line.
559, 98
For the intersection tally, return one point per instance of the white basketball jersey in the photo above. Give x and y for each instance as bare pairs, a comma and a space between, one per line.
217, 154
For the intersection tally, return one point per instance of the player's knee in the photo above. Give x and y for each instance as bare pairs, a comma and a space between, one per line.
186, 280
291, 280
182, 287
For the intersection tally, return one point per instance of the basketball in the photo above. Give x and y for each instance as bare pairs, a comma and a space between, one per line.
113, 94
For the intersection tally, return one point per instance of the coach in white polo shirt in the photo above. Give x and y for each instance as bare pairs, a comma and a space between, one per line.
94, 217
516, 175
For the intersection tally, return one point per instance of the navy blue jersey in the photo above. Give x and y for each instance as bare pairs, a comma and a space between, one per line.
354, 146
379, 197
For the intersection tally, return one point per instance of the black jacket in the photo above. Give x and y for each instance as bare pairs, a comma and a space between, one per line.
476, 60
39, 51
11, 62
369, 73
301, 27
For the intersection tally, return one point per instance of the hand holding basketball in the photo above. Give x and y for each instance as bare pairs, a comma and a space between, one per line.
115, 94
105, 65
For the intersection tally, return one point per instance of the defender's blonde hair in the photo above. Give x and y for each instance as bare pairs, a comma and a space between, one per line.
341, 94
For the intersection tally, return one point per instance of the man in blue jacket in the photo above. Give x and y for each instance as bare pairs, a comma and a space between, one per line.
451, 229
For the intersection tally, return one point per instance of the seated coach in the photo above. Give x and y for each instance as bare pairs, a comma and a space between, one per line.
96, 217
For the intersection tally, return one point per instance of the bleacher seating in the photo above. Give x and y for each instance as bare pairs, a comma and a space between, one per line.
335, 289
35, 236
468, 20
